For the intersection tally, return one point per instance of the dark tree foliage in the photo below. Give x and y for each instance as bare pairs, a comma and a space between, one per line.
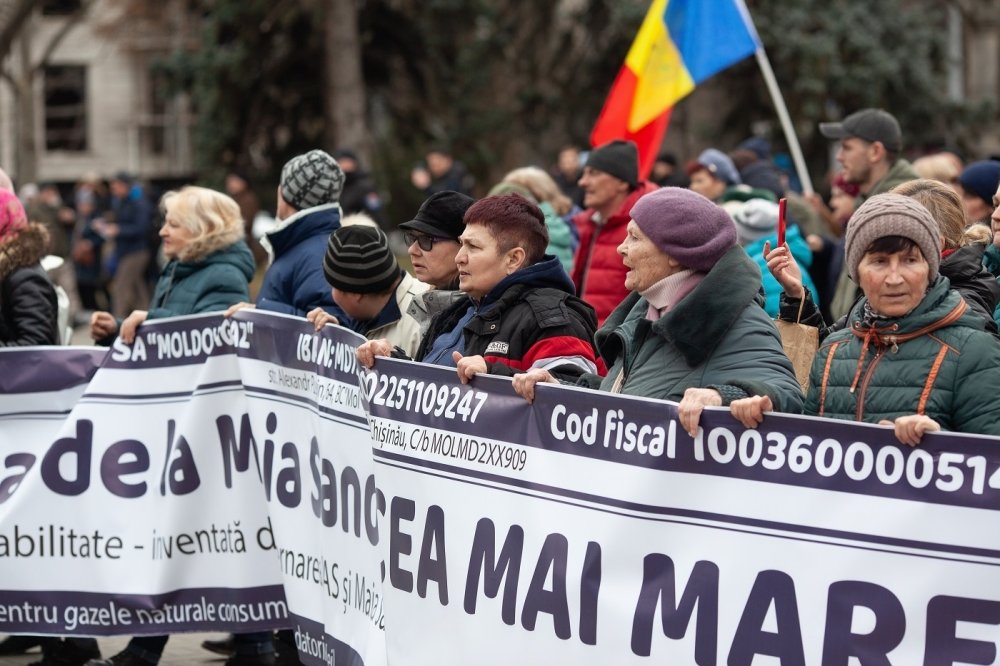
507, 82
832, 58
255, 84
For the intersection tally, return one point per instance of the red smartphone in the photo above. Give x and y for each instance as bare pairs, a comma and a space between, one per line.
781, 221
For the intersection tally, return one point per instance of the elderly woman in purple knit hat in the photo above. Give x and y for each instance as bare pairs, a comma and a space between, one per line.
693, 329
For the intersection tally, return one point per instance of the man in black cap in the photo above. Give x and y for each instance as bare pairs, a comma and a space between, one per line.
611, 186
432, 242
869, 153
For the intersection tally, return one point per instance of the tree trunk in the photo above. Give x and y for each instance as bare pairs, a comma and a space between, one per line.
26, 153
344, 97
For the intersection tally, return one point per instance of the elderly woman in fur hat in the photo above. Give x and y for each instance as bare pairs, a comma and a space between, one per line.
209, 265
692, 329
28, 306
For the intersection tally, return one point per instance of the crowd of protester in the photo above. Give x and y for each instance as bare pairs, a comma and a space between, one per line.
586, 274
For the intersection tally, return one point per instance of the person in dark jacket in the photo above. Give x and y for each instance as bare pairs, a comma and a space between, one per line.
360, 194
961, 261
29, 317
308, 212
914, 356
441, 171
567, 172
871, 145
28, 306
209, 269
519, 311
693, 328
130, 230
979, 181
992, 257
962, 256
88, 253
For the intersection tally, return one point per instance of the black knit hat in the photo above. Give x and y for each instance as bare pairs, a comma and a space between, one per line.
440, 215
617, 158
358, 260
312, 179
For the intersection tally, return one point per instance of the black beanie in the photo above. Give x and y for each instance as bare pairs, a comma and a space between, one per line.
617, 158
358, 260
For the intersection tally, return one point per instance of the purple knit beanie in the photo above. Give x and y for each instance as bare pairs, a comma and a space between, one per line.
686, 226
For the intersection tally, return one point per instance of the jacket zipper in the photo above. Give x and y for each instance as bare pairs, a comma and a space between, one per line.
860, 409
949, 318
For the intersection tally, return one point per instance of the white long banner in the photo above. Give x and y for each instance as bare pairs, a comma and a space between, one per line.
223, 475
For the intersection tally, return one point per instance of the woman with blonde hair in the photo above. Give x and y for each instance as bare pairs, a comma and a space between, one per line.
962, 254
209, 268
209, 265
940, 167
556, 206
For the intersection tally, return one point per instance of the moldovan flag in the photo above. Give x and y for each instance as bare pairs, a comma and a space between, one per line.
680, 44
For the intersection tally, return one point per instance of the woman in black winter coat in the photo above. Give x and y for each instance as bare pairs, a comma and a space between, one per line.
28, 317
28, 306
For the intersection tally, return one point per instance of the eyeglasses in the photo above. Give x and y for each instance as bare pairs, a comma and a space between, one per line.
425, 242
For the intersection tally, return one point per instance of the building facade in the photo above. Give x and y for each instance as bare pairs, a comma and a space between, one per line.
83, 95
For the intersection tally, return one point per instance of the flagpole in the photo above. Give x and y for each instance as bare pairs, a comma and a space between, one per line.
786, 123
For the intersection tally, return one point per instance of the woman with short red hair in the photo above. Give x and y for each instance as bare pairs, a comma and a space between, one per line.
519, 310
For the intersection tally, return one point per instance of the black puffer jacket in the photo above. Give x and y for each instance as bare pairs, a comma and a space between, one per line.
964, 269
531, 319
28, 306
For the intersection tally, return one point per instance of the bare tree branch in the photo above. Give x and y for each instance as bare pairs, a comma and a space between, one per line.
9, 78
12, 18
69, 23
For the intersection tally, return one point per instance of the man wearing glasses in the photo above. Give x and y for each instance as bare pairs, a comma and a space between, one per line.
432, 242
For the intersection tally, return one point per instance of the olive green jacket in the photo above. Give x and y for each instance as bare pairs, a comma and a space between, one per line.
846, 292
